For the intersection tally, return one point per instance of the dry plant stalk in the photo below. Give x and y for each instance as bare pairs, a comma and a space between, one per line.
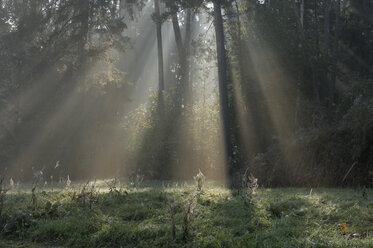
3, 190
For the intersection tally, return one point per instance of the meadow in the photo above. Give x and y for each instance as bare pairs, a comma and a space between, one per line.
109, 213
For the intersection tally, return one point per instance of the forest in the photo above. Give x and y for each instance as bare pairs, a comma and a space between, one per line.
186, 123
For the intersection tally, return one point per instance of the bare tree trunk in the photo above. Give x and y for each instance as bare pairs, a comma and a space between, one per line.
177, 32
325, 86
241, 55
335, 55
316, 17
188, 37
182, 51
297, 17
188, 31
223, 85
160, 48
328, 4
302, 13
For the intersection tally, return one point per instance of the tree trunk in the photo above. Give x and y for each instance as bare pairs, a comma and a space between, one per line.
308, 55
327, 27
302, 13
160, 48
316, 23
183, 61
223, 85
253, 137
188, 31
297, 17
180, 49
325, 86
188, 37
177, 32
335, 56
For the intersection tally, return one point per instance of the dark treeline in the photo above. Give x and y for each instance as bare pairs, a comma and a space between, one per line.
294, 89
316, 127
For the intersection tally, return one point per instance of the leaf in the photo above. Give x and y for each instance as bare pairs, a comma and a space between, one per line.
344, 228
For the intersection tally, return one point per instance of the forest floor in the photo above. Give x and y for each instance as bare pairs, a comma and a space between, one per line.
158, 214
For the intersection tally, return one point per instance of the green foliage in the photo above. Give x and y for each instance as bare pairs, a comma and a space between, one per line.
336, 155
317, 141
156, 134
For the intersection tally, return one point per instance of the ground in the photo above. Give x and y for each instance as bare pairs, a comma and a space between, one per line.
147, 215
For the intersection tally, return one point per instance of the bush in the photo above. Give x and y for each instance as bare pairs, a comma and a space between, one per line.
340, 154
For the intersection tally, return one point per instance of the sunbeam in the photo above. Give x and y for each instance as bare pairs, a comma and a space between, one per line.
186, 123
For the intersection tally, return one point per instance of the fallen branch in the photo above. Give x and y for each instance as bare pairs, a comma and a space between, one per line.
348, 172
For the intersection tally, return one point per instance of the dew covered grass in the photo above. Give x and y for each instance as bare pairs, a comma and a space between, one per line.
142, 217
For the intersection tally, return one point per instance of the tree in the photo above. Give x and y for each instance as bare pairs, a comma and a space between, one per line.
158, 21
223, 85
335, 58
183, 46
47, 52
300, 24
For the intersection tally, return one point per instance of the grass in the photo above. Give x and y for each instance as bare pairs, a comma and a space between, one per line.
141, 217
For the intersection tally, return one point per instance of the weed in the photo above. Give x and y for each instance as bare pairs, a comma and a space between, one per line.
200, 180
113, 186
136, 178
188, 211
3, 190
68, 182
33, 198
11, 183
250, 187
87, 195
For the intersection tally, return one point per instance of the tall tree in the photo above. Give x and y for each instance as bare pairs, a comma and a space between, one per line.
158, 21
248, 112
302, 13
223, 85
335, 56
300, 26
183, 48
328, 4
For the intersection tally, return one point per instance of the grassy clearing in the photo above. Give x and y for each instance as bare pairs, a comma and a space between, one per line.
143, 217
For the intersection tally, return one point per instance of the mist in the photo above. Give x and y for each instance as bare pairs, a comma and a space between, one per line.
186, 123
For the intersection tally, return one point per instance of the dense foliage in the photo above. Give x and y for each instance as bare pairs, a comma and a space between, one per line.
316, 57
